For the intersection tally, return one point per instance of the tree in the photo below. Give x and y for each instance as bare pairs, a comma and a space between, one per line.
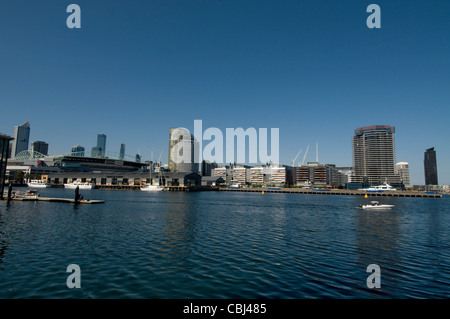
18, 177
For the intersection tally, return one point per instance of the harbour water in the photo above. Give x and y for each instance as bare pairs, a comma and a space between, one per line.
180, 245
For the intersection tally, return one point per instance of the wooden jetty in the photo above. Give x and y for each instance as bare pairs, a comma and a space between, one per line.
57, 200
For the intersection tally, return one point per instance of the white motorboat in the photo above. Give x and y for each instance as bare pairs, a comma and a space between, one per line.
376, 205
379, 188
81, 185
38, 184
152, 188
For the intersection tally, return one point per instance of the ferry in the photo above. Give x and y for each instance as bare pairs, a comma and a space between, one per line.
81, 185
38, 184
376, 205
235, 186
379, 188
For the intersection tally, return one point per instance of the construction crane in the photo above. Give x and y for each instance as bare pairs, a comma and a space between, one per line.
295, 158
305, 154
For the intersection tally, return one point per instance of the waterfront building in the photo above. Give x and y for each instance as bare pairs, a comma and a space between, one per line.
40, 147
77, 150
220, 171
122, 151
21, 138
274, 174
430, 166
256, 175
101, 143
240, 174
207, 167
181, 151
4, 147
374, 155
402, 169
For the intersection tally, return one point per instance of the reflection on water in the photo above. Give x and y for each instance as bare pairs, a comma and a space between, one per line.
224, 245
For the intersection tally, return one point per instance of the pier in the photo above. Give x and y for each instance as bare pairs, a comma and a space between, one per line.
346, 192
57, 200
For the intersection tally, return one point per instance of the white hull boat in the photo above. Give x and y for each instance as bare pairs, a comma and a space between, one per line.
376, 205
38, 184
80, 185
152, 188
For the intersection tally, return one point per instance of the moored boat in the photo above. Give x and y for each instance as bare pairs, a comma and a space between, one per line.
38, 184
81, 185
379, 188
152, 188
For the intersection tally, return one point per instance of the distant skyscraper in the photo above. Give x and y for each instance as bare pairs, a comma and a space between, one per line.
430, 165
96, 151
21, 138
181, 151
122, 151
77, 150
40, 147
402, 169
101, 143
374, 155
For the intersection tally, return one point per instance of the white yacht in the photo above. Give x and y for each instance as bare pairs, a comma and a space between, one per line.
152, 188
38, 184
379, 188
376, 205
81, 185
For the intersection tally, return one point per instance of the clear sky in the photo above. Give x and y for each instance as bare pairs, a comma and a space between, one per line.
312, 68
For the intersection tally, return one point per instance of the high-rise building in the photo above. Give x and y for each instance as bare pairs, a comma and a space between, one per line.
181, 151
101, 143
430, 165
402, 169
96, 152
40, 147
122, 151
77, 150
374, 155
21, 138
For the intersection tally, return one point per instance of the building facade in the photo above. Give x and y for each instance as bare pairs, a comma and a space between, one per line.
40, 147
181, 151
122, 151
77, 150
374, 155
402, 169
430, 166
21, 139
101, 143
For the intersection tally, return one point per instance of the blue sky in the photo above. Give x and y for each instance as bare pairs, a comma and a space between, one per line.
311, 68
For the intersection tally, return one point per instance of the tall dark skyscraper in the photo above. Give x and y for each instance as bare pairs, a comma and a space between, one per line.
101, 143
122, 151
40, 147
374, 155
21, 138
430, 165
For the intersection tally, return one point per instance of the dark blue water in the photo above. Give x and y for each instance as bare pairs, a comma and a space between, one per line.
224, 245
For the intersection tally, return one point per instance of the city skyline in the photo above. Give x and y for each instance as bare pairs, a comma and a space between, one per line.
314, 70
